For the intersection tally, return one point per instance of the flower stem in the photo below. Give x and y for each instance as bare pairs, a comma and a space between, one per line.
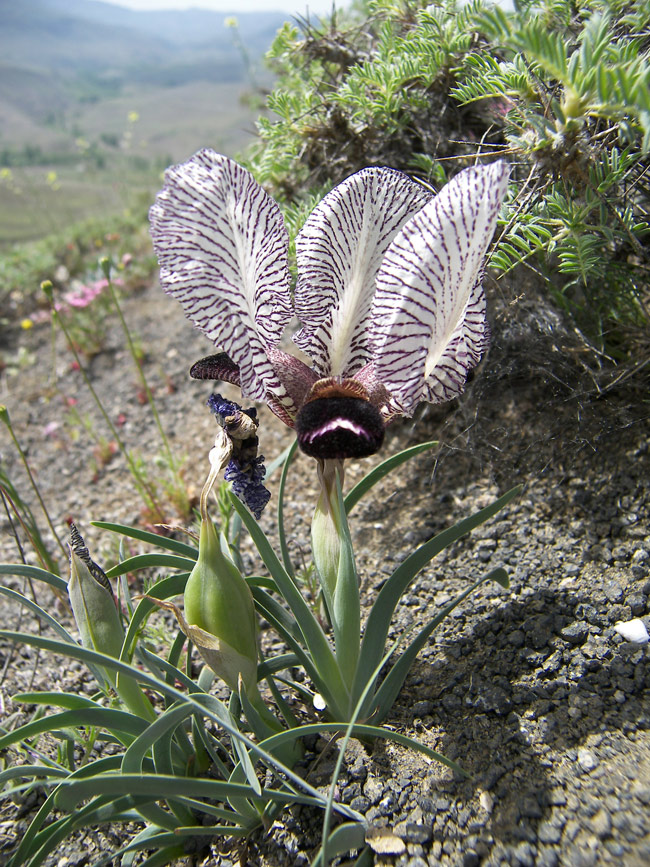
146, 491
171, 462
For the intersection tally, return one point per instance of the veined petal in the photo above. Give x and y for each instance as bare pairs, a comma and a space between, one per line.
428, 326
339, 251
222, 248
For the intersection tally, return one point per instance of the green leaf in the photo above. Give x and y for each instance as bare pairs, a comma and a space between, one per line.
112, 720
381, 613
16, 569
40, 613
30, 841
380, 471
157, 738
159, 541
174, 585
379, 705
285, 626
34, 771
363, 731
350, 835
314, 637
146, 561
157, 786
85, 655
282, 537
69, 700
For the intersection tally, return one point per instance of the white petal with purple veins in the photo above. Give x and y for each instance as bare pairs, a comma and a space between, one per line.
222, 248
339, 251
428, 315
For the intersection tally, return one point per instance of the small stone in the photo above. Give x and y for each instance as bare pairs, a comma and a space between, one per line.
360, 804
633, 630
614, 592
557, 797
549, 833
600, 824
486, 801
382, 841
642, 792
411, 832
575, 633
637, 603
546, 857
524, 854
373, 790
587, 760
422, 708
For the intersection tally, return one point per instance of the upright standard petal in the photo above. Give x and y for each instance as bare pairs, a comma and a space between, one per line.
339, 251
222, 249
428, 326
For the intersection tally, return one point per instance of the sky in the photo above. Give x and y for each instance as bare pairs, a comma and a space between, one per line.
316, 7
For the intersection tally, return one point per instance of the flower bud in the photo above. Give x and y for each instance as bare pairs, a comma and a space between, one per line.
220, 613
98, 621
94, 610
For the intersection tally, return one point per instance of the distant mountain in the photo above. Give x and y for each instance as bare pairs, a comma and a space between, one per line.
109, 43
180, 28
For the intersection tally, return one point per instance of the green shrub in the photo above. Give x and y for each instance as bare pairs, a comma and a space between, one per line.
561, 89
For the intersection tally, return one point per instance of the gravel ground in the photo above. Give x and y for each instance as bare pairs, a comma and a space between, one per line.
530, 689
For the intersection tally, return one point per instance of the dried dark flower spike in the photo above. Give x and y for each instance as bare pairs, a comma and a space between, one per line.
246, 470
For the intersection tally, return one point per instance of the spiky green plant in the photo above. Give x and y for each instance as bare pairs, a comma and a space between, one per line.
561, 88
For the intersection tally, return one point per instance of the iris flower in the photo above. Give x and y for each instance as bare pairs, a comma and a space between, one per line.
389, 292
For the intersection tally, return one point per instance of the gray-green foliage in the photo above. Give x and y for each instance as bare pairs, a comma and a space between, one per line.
561, 89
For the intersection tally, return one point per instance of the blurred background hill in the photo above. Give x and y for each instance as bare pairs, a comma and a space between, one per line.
96, 99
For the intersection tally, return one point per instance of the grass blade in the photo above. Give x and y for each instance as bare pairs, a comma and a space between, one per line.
379, 472
146, 561
314, 637
383, 700
284, 548
174, 545
16, 569
379, 619
113, 720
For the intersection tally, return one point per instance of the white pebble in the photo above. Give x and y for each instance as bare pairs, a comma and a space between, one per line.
633, 630
486, 801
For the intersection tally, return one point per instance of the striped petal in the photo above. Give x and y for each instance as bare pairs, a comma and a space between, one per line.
222, 248
339, 251
428, 326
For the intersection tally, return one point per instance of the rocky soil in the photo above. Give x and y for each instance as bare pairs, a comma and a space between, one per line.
530, 689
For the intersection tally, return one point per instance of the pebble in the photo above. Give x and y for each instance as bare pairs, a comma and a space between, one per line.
575, 633
587, 760
600, 824
373, 789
